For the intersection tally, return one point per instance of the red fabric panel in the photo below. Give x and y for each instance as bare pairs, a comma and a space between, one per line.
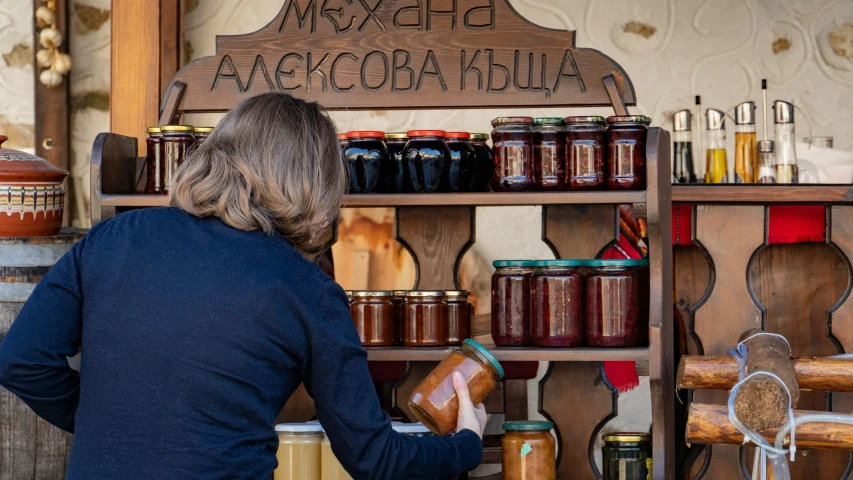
787, 224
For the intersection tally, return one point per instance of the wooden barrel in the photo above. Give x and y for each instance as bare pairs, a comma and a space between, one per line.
30, 448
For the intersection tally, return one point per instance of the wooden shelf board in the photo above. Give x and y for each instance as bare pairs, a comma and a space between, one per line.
762, 194
512, 354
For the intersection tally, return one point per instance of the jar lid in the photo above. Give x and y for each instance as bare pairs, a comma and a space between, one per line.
399, 293
482, 350
548, 121
202, 129
463, 135
299, 428
505, 120
396, 136
348, 292
528, 426
616, 262
17, 166
425, 293
176, 128
457, 293
426, 133
479, 136
153, 129
558, 263
585, 119
512, 263
372, 293
365, 134
626, 437
411, 428
342, 136
630, 119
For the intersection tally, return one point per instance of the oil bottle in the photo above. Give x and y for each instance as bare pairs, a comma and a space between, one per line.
682, 148
746, 155
716, 165
786, 153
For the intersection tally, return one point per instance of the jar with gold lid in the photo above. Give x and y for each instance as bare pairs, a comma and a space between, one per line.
176, 140
201, 134
373, 315
155, 167
459, 314
626, 456
426, 319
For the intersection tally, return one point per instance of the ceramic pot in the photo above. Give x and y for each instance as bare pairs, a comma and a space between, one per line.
31, 194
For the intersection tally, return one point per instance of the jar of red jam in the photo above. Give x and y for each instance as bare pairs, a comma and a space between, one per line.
434, 400
459, 313
201, 134
367, 157
512, 154
549, 153
511, 302
528, 451
426, 162
612, 305
398, 299
585, 153
462, 161
396, 143
483, 166
558, 300
373, 315
426, 319
626, 159
155, 168
174, 143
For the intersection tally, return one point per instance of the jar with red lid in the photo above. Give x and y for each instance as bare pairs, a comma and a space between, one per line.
549, 154
373, 315
512, 154
462, 162
343, 142
612, 289
459, 314
626, 160
558, 319
426, 162
483, 165
511, 302
396, 143
426, 319
367, 157
586, 141
398, 299
155, 167
175, 141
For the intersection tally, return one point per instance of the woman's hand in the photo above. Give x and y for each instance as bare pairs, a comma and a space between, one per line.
471, 417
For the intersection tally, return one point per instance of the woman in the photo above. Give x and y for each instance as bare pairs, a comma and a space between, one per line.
198, 321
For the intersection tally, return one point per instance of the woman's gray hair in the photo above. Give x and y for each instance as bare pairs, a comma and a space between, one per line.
272, 164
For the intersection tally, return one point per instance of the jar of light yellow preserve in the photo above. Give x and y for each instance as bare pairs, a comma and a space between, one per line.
298, 455
332, 468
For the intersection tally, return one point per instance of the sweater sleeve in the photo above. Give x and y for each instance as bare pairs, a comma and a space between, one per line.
33, 355
335, 374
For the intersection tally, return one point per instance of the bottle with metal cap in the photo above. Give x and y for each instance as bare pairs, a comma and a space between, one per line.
766, 162
682, 148
716, 163
746, 155
786, 152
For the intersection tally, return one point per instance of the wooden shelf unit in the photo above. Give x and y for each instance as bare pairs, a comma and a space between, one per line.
510, 354
763, 194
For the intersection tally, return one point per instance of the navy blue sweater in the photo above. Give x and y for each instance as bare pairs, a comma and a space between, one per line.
193, 336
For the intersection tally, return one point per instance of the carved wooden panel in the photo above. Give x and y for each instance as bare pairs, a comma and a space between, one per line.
437, 238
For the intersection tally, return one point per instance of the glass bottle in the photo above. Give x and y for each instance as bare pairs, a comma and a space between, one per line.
682, 148
766, 162
716, 163
586, 142
549, 154
512, 154
786, 152
746, 154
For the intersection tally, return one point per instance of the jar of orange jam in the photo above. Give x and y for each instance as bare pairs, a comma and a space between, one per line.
298, 454
528, 451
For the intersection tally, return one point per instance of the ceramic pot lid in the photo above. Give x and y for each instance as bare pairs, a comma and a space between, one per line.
18, 166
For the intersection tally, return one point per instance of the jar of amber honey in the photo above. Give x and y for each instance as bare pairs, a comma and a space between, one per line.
373, 315
298, 454
398, 299
459, 313
511, 302
426, 319
331, 468
155, 168
434, 400
175, 142
528, 451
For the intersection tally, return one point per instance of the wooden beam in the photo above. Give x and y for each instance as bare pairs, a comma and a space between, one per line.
171, 40
720, 373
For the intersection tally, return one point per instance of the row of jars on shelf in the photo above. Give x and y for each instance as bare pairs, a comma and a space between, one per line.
166, 148
570, 303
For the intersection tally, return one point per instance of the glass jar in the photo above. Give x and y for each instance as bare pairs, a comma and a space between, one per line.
459, 313
331, 468
612, 303
528, 451
396, 143
511, 302
558, 319
585, 159
626, 456
426, 319
349, 295
483, 166
398, 299
366, 157
549, 154
626, 159
298, 454
373, 315
512, 154
201, 134
462, 161
434, 401
155, 169
174, 143
426, 162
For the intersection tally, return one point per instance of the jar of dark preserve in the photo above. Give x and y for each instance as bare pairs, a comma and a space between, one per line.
462, 161
459, 313
426, 319
398, 299
343, 142
174, 143
613, 303
549, 154
366, 158
483, 166
626, 159
557, 303
155, 168
426, 162
585, 153
626, 456
396, 143
201, 134
511, 302
373, 315
512, 154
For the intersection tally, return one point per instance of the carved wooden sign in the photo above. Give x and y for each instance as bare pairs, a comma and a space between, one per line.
368, 54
